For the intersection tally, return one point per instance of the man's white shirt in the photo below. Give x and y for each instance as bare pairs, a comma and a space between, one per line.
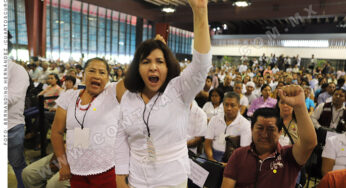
218, 130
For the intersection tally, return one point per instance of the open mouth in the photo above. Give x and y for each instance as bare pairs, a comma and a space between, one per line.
154, 79
95, 84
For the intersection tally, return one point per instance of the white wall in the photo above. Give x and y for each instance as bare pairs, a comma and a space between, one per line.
249, 50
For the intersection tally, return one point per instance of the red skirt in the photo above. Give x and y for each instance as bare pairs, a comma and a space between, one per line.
103, 180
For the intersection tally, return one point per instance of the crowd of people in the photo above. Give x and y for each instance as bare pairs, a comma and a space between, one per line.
136, 126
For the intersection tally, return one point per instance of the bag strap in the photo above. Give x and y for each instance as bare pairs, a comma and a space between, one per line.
286, 131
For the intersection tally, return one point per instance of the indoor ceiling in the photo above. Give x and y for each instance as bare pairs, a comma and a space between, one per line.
287, 16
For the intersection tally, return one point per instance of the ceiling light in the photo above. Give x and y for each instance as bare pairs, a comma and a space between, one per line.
168, 9
224, 26
241, 3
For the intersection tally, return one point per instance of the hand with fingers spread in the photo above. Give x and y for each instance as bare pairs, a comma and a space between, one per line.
292, 95
160, 38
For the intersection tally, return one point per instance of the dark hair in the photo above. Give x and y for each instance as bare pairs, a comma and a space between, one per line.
62, 68
219, 91
9, 43
341, 82
267, 113
264, 86
232, 94
71, 78
278, 108
339, 89
87, 63
57, 78
320, 80
324, 86
133, 80
210, 78
305, 80
32, 65
78, 66
116, 72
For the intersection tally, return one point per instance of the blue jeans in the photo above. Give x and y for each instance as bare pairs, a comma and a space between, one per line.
218, 155
16, 152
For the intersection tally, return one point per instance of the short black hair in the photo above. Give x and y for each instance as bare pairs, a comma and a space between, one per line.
71, 78
267, 113
219, 91
324, 86
78, 66
341, 81
232, 94
133, 80
87, 63
264, 86
305, 80
210, 78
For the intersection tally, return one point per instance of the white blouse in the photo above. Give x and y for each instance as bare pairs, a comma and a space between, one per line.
168, 128
102, 120
209, 109
198, 122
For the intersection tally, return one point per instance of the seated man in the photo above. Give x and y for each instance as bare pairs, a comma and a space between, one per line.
265, 163
334, 154
322, 98
229, 124
197, 127
226, 85
44, 173
202, 96
331, 115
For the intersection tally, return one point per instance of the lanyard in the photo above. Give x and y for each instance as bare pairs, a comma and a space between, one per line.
86, 109
145, 108
288, 127
336, 115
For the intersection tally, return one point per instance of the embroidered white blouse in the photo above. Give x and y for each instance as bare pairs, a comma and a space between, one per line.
168, 124
197, 125
102, 120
